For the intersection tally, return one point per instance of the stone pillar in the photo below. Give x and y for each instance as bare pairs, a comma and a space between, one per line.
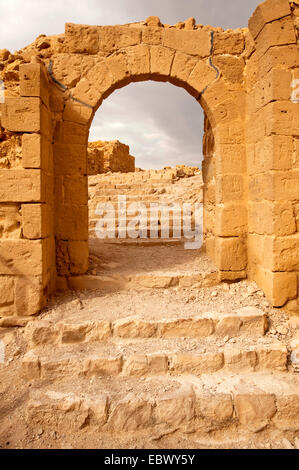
71, 198
273, 165
27, 262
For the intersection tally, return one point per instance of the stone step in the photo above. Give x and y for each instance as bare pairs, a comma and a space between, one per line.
142, 281
152, 198
136, 190
151, 357
171, 221
252, 323
148, 183
155, 236
239, 403
147, 201
145, 242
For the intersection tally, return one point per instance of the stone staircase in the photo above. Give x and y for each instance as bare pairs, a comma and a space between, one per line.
213, 374
157, 346
174, 185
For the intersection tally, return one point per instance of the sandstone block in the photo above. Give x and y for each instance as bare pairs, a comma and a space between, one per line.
282, 253
153, 21
272, 218
136, 366
10, 221
7, 296
282, 117
286, 417
103, 366
157, 364
274, 152
21, 114
78, 257
71, 223
182, 66
134, 328
36, 152
36, 221
70, 159
25, 115
66, 132
228, 43
155, 282
231, 254
175, 409
191, 42
279, 56
275, 358
74, 333
138, 61
97, 410
161, 60
239, 361
201, 76
279, 287
141, 365
20, 185
100, 331
231, 220
231, 67
82, 38
30, 298
78, 113
113, 38
192, 328
229, 188
87, 93
21, 256
34, 82
31, 366
152, 35
255, 410
75, 190
214, 411
196, 364
130, 414
42, 334
6, 290
268, 11
229, 326
231, 159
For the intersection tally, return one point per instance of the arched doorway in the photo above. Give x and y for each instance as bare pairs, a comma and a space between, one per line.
182, 58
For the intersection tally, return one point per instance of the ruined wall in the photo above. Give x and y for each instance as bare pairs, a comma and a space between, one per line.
27, 247
241, 78
273, 151
108, 156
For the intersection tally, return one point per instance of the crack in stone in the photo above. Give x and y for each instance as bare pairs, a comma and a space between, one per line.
64, 87
211, 65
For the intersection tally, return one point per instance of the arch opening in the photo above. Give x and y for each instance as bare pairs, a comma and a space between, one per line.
162, 202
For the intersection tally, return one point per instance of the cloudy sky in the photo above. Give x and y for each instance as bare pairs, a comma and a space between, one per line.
162, 123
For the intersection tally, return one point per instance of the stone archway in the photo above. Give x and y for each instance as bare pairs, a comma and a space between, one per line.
183, 58
241, 78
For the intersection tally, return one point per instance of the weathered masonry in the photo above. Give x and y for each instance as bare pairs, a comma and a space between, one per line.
244, 79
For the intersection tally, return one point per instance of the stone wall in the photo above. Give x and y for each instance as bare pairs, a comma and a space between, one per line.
109, 156
273, 151
243, 80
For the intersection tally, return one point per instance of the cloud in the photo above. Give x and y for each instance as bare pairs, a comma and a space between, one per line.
22, 21
162, 124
